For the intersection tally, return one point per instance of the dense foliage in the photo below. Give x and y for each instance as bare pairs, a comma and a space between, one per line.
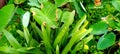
60, 27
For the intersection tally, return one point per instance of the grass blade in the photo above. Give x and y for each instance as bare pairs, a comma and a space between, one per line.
27, 35
79, 23
75, 38
68, 18
46, 40
80, 44
13, 42
57, 49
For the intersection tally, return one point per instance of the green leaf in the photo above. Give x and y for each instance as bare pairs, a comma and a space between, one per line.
26, 19
21, 33
6, 49
44, 16
79, 23
34, 3
37, 29
83, 6
19, 1
106, 41
46, 40
42, 1
57, 50
60, 2
99, 28
116, 4
6, 14
79, 9
3, 41
27, 35
20, 11
81, 43
10, 2
77, 36
13, 42
111, 22
67, 18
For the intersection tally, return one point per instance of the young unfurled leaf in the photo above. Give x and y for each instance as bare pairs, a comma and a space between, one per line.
6, 14
106, 41
26, 19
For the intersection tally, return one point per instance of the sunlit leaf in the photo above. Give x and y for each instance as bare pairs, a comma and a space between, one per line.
46, 40
6, 14
57, 50
26, 19
77, 36
6, 49
27, 35
67, 18
44, 16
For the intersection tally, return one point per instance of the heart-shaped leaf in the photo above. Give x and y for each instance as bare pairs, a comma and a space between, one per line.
99, 28
106, 41
68, 17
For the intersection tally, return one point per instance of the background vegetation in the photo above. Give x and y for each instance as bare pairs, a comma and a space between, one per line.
60, 27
